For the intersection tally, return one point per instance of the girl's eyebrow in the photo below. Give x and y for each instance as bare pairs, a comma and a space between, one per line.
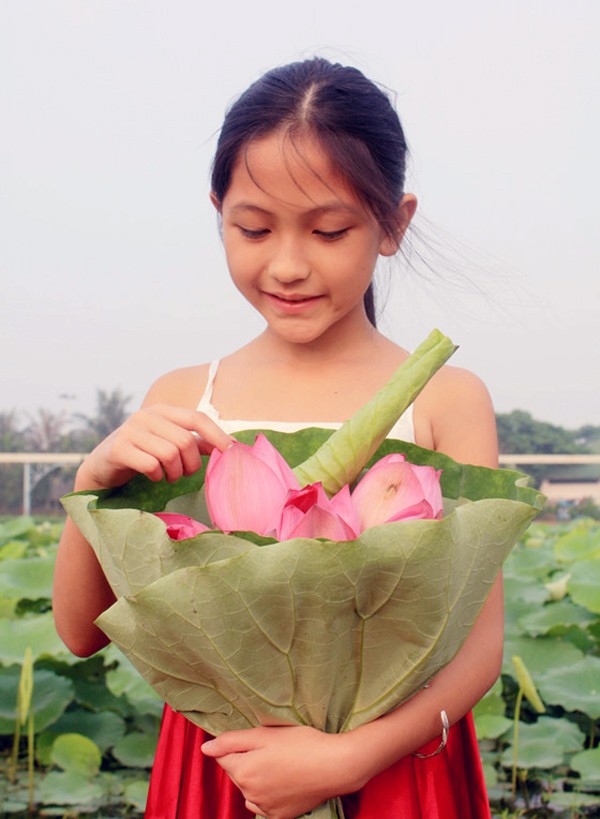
328, 207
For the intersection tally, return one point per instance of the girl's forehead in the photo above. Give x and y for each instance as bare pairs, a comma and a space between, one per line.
295, 171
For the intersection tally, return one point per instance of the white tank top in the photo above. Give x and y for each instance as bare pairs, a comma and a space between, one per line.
403, 429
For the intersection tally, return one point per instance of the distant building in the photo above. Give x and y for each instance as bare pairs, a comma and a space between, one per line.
572, 483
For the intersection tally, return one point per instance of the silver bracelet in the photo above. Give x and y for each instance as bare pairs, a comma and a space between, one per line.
442, 745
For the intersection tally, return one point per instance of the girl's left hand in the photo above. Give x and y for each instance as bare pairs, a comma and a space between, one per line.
284, 772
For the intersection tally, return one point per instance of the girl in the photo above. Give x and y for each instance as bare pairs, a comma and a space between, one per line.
308, 182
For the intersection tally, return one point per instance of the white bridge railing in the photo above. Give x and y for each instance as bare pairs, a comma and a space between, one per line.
36, 465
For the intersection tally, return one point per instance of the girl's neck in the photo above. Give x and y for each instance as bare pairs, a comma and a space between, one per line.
272, 379
354, 343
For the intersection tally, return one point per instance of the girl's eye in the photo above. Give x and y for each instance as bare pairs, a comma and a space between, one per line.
331, 235
249, 233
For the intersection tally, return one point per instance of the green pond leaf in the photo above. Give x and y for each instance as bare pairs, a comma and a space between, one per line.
15, 528
31, 578
13, 550
556, 615
573, 801
579, 543
135, 794
51, 696
68, 788
491, 726
104, 728
540, 654
136, 750
98, 698
76, 753
524, 562
36, 632
545, 743
575, 688
492, 702
126, 681
587, 764
584, 584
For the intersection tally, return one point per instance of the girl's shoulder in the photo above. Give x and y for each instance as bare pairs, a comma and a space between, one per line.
454, 414
182, 387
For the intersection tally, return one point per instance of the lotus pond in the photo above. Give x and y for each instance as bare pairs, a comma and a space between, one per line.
78, 736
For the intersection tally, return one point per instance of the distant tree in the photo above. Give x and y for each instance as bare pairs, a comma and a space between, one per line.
12, 439
590, 436
47, 432
111, 412
520, 433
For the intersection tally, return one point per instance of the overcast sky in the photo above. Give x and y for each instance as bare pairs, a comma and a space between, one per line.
110, 263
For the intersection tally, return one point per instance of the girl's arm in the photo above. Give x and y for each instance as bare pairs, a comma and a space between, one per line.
284, 772
160, 439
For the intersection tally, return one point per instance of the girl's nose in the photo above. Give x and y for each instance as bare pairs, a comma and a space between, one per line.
289, 261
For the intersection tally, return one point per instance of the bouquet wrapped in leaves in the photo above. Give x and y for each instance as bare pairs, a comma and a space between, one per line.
238, 630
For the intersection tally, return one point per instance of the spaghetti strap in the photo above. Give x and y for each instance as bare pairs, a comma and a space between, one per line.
205, 403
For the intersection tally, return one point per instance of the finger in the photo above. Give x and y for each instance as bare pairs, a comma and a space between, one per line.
252, 807
210, 434
172, 444
232, 742
152, 454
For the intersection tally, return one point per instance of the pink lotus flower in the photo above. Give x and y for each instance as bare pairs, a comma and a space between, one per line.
181, 527
394, 489
252, 489
309, 512
247, 486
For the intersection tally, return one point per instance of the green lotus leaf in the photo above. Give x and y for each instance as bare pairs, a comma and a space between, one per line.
580, 543
11, 529
68, 788
555, 617
233, 642
491, 726
527, 562
584, 584
136, 750
587, 765
575, 688
545, 743
13, 550
540, 654
37, 632
215, 623
30, 578
77, 753
104, 728
135, 793
51, 696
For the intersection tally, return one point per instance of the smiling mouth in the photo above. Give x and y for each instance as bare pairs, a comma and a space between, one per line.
292, 299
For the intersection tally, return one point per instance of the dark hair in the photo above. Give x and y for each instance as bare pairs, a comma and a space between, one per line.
352, 119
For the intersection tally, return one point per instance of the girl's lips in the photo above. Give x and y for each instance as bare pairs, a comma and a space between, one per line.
291, 303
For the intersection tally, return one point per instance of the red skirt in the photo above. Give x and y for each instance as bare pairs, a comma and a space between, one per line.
185, 784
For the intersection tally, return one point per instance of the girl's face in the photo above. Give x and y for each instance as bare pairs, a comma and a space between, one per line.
300, 245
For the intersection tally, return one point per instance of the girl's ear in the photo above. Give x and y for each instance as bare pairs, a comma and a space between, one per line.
406, 210
215, 201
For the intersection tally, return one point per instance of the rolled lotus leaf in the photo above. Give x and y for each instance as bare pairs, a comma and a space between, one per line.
340, 460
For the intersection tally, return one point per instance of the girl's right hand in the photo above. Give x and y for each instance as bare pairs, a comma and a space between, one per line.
158, 441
